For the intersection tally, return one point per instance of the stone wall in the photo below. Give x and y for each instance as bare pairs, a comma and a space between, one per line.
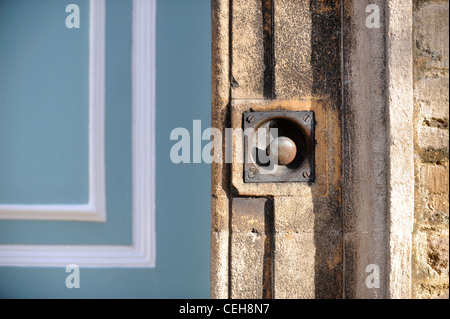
377, 184
431, 107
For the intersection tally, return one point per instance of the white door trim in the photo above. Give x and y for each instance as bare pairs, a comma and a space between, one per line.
95, 210
141, 254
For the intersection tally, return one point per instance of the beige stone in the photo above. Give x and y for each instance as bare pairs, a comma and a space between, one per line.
219, 188
434, 137
431, 272
293, 50
323, 233
434, 179
439, 205
249, 238
247, 49
438, 253
431, 94
430, 254
295, 266
431, 34
219, 265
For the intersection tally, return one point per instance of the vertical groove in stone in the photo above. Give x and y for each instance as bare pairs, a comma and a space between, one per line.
230, 56
227, 121
269, 242
268, 39
343, 129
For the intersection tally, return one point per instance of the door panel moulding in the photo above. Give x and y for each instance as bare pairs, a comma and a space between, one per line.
95, 209
141, 254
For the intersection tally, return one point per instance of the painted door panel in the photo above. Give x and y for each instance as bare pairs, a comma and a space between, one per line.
182, 191
38, 166
59, 131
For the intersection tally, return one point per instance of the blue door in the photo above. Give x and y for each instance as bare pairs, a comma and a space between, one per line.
91, 203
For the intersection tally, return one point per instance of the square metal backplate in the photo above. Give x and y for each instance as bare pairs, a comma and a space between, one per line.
301, 126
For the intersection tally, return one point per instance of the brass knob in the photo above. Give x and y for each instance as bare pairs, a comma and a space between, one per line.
283, 149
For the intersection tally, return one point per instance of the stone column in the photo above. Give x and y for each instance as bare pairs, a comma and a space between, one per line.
315, 240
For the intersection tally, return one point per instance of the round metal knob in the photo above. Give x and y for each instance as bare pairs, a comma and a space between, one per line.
283, 149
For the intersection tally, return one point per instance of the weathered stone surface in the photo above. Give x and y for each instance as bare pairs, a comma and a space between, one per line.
431, 37
313, 247
306, 77
294, 266
365, 176
219, 265
438, 253
431, 94
432, 204
220, 87
400, 154
430, 251
293, 51
434, 179
439, 205
431, 270
219, 186
307, 58
250, 246
308, 248
433, 137
219, 247
308, 265
220, 219
247, 49
357, 260
306, 215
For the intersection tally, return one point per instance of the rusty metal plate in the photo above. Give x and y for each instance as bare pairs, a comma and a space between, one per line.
299, 126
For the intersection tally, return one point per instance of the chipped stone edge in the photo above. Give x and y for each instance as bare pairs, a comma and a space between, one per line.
219, 267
